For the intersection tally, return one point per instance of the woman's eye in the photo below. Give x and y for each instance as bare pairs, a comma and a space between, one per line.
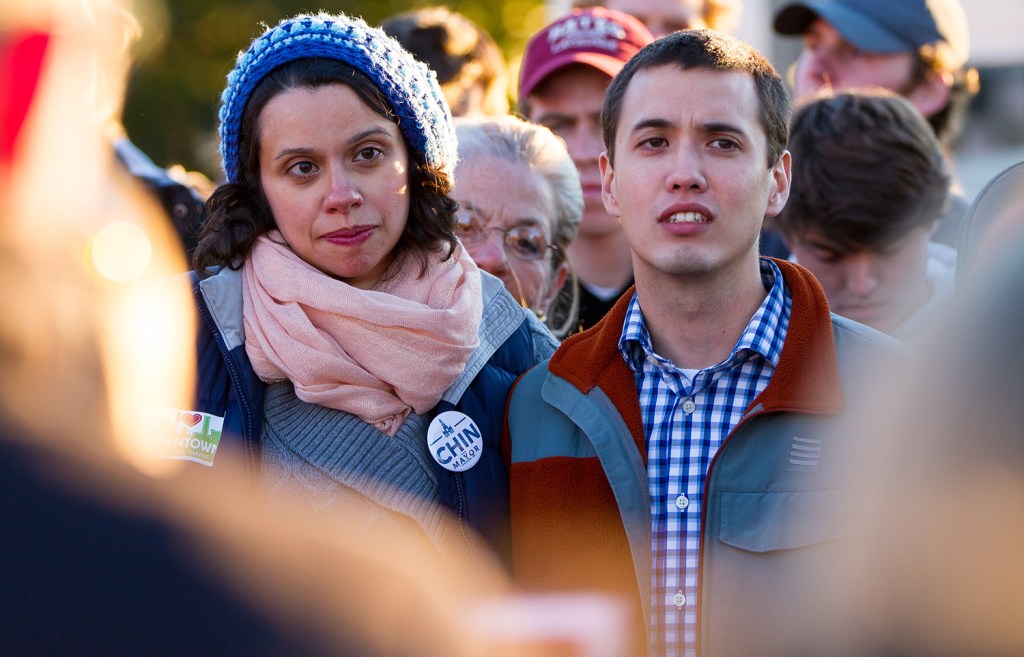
527, 246
368, 153
304, 168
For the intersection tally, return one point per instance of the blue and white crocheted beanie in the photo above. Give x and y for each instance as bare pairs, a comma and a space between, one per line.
409, 85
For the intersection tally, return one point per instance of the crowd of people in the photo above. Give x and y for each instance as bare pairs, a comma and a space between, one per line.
639, 361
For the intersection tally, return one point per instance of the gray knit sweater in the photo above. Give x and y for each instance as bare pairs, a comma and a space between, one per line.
333, 462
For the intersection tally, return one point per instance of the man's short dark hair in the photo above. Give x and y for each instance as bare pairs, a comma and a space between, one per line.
867, 169
710, 50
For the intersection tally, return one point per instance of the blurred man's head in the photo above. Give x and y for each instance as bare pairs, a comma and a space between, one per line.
664, 16
565, 71
916, 48
869, 182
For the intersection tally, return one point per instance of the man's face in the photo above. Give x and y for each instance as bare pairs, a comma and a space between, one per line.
568, 102
829, 60
878, 287
663, 16
690, 182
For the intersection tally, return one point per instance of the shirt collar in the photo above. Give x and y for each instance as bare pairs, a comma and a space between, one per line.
764, 334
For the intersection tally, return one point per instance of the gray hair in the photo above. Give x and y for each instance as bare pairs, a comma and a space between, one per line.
510, 138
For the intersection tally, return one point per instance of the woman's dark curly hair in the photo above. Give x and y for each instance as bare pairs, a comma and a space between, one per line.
238, 213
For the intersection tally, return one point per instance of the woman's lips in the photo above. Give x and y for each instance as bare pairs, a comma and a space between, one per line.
350, 236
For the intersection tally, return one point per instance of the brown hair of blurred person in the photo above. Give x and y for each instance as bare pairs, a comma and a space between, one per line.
470, 67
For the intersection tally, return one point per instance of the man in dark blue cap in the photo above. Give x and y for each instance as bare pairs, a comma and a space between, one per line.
917, 48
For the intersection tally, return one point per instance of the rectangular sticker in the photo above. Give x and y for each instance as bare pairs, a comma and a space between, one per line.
190, 436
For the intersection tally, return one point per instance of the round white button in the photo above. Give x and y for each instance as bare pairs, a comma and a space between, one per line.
682, 502
689, 406
679, 599
454, 441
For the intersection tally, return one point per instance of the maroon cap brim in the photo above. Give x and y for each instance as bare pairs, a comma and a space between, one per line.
607, 64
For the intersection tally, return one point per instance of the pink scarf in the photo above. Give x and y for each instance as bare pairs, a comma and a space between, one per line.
372, 353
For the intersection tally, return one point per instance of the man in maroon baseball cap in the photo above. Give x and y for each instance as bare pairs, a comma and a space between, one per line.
565, 71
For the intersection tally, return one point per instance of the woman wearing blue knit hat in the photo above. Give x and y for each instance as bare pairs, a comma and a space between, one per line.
348, 346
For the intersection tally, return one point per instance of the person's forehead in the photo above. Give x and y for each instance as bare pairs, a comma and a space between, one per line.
578, 80
672, 86
489, 182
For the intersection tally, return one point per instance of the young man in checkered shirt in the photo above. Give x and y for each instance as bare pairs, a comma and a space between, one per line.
682, 452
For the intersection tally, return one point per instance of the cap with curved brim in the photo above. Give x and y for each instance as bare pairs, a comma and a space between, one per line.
597, 37
882, 26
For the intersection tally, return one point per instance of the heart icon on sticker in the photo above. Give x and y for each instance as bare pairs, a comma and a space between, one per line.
191, 419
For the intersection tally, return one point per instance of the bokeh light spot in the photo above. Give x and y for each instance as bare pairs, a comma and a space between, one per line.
121, 252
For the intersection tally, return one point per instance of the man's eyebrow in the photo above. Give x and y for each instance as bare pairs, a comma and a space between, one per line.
655, 123
821, 245
722, 126
652, 123
553, 116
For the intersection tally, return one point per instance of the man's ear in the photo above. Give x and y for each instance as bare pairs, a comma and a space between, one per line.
608, 193
932, 94
781, 179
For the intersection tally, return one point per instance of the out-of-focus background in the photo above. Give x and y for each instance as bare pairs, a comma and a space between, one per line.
188, 46
993, 134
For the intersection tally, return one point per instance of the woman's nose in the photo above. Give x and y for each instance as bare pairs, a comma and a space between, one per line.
343, 194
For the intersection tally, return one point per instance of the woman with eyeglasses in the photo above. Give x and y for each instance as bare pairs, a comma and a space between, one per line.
520, 204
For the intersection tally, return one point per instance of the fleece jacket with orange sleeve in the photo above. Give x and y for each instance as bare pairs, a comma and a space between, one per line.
774, 493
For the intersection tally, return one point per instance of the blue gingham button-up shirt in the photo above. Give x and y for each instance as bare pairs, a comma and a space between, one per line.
686, 416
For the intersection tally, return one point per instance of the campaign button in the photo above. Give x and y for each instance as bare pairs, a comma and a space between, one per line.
454, 440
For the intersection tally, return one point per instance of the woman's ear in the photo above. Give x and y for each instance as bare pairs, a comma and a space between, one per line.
558, 278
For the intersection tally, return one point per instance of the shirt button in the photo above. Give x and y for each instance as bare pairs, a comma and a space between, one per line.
689, 406
679, 599
682, 502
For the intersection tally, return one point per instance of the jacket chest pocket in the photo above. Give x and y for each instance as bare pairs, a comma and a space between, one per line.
762, 522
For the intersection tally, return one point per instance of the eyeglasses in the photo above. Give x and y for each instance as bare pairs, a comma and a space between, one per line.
524, 242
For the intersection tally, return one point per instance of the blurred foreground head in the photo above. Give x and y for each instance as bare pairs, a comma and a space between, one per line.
83, 245
97, 329
939, 516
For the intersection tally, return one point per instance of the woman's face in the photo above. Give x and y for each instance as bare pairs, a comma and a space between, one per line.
505, 224
336, 176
